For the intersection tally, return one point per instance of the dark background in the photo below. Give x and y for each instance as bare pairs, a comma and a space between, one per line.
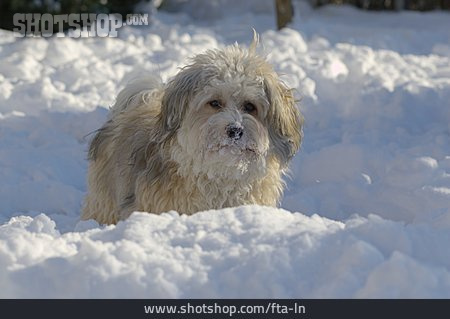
124, 7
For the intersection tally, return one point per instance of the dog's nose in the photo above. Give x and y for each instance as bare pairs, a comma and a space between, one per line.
235, 132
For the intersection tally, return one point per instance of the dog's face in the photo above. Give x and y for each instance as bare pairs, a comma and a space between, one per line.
228, 113
223, 129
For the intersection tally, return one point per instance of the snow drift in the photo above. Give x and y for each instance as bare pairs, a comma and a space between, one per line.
244, 252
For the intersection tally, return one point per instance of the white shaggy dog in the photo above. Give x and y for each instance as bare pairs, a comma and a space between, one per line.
219, 134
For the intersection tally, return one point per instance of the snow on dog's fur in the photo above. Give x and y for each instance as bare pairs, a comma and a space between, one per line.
221, 133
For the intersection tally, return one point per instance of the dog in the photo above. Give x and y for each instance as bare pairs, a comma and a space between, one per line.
221, 133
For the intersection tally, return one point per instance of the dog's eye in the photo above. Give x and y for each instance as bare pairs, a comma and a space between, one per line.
215, 104
249, 108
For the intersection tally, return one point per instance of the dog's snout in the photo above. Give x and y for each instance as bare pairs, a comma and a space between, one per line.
235, 132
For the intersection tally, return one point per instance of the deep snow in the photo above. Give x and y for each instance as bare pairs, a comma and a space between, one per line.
371, 182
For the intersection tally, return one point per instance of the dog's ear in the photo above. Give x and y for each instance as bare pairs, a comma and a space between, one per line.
284, 119
177, 96
98, 142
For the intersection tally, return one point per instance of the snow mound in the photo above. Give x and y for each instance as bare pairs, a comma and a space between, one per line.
245, 252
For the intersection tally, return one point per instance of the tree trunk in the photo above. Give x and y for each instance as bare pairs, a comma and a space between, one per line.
285, 12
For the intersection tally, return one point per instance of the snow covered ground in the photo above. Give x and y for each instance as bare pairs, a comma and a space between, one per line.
367, 209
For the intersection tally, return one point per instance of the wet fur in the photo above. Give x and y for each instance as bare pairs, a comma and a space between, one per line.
162, 147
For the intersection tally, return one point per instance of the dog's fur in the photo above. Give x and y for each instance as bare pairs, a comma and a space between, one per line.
169, 147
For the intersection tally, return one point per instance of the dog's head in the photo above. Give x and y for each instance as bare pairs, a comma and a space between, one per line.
229, 113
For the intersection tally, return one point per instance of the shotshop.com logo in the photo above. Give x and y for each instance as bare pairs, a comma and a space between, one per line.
76, 25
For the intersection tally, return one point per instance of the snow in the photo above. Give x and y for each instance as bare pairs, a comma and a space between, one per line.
366, 212
239, 252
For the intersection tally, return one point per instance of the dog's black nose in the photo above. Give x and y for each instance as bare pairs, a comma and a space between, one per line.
234, 132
